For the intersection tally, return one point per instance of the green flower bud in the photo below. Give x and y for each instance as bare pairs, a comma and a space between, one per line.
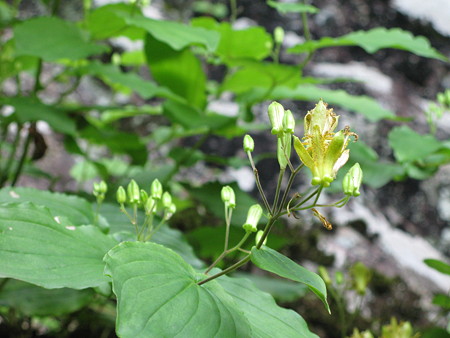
339, 276
166, 199
253, 216
103, 187
249, 144
170, 210
133, 192
352, 181
150, 206
288, 122
278, 35
276, 114
144, 196
258, 237
228, 197
156, 189
100, 189
121, 195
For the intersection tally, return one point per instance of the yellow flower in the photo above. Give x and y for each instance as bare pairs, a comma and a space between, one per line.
323, 151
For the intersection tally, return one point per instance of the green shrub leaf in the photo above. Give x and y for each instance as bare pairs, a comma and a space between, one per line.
158, 296
292, 7
375, 39
272, 261
48, 251
77, 210
52, 38
266, 318
438, 265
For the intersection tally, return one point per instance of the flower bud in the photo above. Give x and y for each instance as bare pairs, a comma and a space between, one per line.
284, 150
166, 199
170, 211
156, 189
150, 206
276, 114
121, 195
249, 144
278, 35
100, 189
253, 216
258, 237
144, 196
288, 122
352, 181
228, 197
133, 192
324, 274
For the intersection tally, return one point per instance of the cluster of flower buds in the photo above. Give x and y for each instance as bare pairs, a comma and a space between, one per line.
228, 197
155, 202
99, 190
283, 125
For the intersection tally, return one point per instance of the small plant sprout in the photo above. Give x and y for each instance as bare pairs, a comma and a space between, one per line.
321, 149
157, 205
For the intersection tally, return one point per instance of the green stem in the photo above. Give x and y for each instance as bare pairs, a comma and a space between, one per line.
307, 34
18, 171
258, 183
5, 172
233, 7
288, 188
227, 270
228, 214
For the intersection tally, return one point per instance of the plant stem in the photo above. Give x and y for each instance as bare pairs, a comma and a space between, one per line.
31, 131
307, 34
258, 183
278, 190
233, 14
227, 270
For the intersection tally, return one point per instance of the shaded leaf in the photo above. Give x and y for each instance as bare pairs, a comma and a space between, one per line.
30, 109
438, 265
375, 39
50, 252
51, 38
272, 261
32, 300
76, 209
157, 296
292, 7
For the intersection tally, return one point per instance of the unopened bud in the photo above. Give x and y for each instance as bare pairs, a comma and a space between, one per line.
249, 144
278, 35
276, 114
228, 197
284, 150
170, 211
259, 236
253, 216
134, 194
156, 189
166, 199
288, 122
144, 196
352, 181
150, 206
100, 188
121, 195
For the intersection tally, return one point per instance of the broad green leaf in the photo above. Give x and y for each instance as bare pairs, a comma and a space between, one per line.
76, 209
360, 104
442, 301
191, 118
265, 75
158, 296
177, 35
281, 289
438, 265
234, 44
178, 70
267, 319
112, 75
170, 238
30, 109
51, 38
272, 261
32, 300
292, 7
49, 251
107, 21
375, 39
411, 146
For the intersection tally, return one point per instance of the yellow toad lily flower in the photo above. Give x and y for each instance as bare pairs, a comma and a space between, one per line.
323, 151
